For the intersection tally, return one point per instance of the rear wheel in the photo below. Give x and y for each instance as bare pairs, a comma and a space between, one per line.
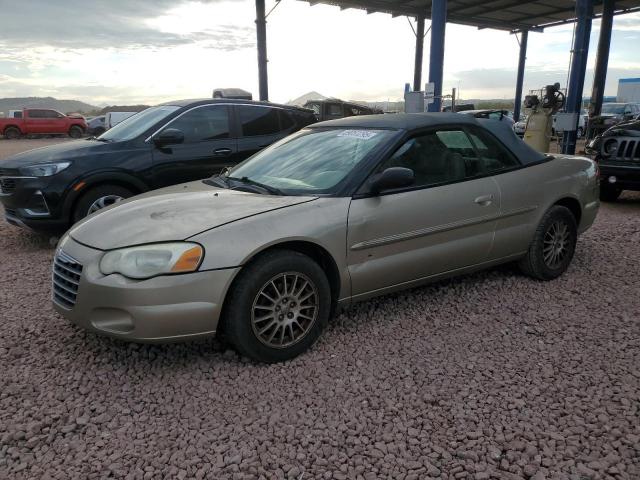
98, 198
11, 133
609, 193
75, 131
277, 307
553, 245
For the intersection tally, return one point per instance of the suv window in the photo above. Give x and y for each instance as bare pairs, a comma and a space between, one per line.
36, 114
494, 156
203, 123
257, 121
436, 157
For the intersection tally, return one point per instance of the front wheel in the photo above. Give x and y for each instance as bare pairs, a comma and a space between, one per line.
553, 245
277, 307
98, 198
75, 131
609, 193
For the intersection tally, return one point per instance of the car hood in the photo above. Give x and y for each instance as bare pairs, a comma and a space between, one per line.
54, 153
173, 213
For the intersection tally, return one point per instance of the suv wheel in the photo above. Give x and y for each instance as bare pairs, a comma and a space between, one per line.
98, 198
553, 245
75, 131
277, 307
11, 133
609, 193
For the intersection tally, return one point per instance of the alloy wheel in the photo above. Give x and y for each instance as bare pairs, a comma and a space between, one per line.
555, 244
103, 202
284, 310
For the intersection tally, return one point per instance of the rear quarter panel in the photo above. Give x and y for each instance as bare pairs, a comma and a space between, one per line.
527, 193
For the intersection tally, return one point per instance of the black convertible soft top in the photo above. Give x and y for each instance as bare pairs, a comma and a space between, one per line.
413, 121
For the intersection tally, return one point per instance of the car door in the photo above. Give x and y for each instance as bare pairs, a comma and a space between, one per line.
260, 126
207, 149
36, 121
56, 122
522, 191
444, 222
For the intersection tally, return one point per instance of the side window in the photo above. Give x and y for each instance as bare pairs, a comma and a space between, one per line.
436, 157
494, 156
286, 122
36, 114
333, 110
257, 121
51, 114
203, 123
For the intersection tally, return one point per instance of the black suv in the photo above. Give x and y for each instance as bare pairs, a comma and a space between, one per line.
48, 189
617, 152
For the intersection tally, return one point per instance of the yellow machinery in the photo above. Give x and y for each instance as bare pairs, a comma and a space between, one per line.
537, 132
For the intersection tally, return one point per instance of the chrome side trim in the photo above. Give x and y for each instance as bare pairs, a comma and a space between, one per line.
401, 237
207, 105
15, 177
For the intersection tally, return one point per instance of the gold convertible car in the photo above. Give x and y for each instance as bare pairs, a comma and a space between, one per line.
338, 212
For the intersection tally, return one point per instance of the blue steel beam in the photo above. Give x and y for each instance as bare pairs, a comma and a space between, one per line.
584, 12
602, 57
524, 36
436, 55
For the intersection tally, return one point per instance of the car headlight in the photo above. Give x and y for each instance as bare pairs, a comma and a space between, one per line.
44, 169
610, 147
148, 261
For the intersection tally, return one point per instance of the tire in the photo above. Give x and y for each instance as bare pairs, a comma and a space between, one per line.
264, 286
541, 261
104, 195
75, 131
12, 133
609, 193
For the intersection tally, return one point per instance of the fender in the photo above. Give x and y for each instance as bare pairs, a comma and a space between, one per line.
114, 176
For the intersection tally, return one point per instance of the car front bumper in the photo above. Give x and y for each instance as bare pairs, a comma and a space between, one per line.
161, 309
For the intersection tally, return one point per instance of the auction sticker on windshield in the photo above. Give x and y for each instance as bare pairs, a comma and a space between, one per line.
363, 134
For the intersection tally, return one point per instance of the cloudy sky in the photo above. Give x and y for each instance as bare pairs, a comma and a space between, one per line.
119, 51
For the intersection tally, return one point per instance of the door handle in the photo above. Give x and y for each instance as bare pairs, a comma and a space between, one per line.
222, 152
484, 200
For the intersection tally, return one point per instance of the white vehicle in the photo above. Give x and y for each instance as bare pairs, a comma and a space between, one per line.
111, 119
582, 124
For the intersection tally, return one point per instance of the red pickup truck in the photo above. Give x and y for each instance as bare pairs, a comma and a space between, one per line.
40, 121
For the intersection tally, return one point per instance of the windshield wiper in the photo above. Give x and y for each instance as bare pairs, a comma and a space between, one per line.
248, 181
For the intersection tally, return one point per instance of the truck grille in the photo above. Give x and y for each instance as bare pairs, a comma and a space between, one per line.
7, 185
66, 279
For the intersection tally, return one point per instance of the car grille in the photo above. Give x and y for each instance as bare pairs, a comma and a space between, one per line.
7, 185
66, 279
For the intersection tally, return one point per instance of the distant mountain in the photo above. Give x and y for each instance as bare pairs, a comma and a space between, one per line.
64, 106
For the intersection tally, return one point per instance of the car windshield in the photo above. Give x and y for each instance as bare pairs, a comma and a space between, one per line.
613, 108
312, 160
136, 124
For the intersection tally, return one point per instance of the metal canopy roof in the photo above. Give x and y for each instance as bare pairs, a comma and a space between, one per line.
509, 15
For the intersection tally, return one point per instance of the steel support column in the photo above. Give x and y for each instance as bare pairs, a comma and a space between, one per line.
602, 57
584, 12
436, 54
261, 31
524, 36
417, 70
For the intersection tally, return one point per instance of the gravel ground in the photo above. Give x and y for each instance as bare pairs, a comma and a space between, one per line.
491, 375
11, 147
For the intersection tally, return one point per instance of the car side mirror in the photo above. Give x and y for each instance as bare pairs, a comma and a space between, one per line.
170, 136
392, 178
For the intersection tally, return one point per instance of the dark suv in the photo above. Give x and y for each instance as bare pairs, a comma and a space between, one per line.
50, 188
617, 152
